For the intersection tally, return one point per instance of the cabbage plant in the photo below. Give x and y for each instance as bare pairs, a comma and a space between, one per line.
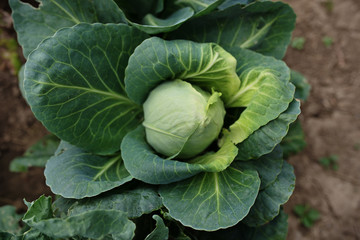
171, 116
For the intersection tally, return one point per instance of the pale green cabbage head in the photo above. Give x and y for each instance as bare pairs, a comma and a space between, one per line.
182, 120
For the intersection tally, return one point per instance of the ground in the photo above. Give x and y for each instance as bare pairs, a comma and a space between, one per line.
330, 117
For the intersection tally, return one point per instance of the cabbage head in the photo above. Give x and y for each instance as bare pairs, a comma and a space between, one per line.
182, 120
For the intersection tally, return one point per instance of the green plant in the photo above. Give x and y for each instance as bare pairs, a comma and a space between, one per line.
298, 43
329, 5
307, 215
162, 117
328, 41
356, 146
330, 162
10, 53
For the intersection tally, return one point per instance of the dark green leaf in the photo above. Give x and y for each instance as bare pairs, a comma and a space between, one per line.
181, 11
134, 203
302, 86
37, 155
91, 224
35, 24
230, 3
31, 234
177, 230
7, 236
134, 12
182, 236
275, 230
201, 7
38, 210
155, 61
153, 25
267, 137
211, 201
74, 85
161, 232
9, 220
268, 166
34, 234
294, 141
61, 206
269, 200
75, 173
146, 165
264, 27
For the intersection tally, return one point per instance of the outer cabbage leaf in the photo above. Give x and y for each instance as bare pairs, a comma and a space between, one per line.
75, 173
201, 7
150, 17
302, 86
265, 91
134, 12
28, 235
157, 60
74, 85
144, 164
154, 25
10, 228
230, 3
37, 155
264, 27
134, 203
7, 236
294, 141
9, 220
176, 14
267, 137
269, 200
35, 24
62, 205
91, 224
268, 166
274, 230
212, 201
161, 232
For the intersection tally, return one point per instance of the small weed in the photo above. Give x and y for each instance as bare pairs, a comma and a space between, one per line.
329, 5
357, 146
307, 215
330, 162
298, 43
10, 53
328, 41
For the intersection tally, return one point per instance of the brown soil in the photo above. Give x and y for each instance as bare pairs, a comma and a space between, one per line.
18, 130
330, 119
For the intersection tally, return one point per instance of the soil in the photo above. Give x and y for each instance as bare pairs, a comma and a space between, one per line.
330, 118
